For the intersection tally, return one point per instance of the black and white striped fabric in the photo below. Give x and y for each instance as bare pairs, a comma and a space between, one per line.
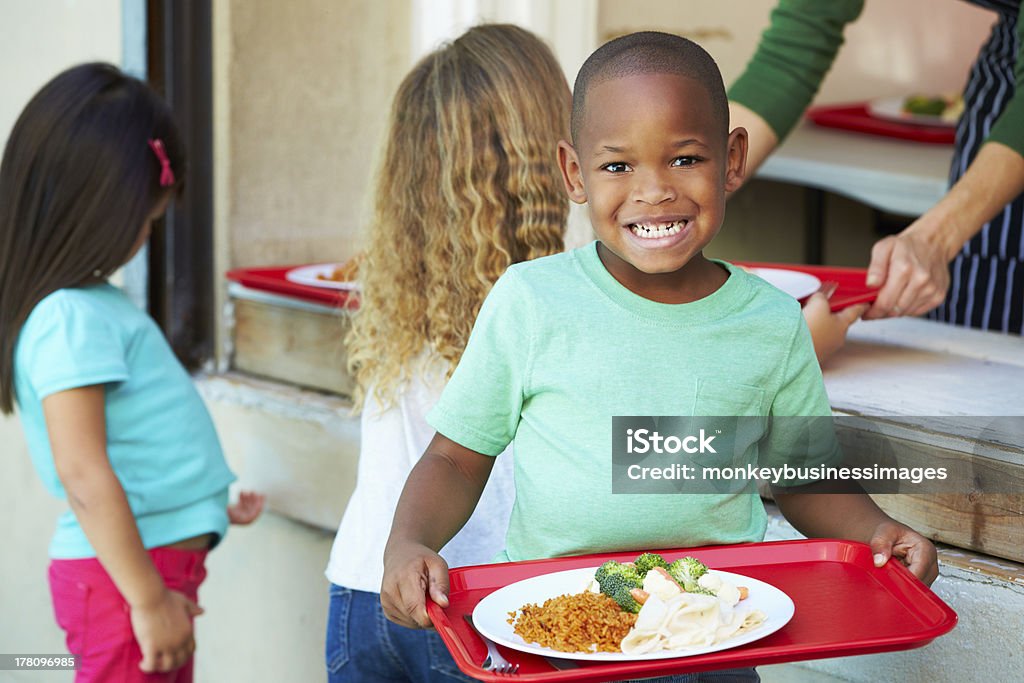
987, 276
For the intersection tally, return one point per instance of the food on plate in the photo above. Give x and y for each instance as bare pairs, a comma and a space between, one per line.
946, 107
686, 620
925, 104
662, 605
585, 622
619, 582
346, 272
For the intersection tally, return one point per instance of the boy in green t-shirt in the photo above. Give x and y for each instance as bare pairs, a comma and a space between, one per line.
638, 323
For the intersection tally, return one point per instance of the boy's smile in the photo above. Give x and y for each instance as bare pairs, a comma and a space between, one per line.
654, 162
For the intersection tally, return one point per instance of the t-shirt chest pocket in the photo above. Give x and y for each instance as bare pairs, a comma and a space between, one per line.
728, 399
739, 417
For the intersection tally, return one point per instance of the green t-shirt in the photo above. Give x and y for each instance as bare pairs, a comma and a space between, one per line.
560, 347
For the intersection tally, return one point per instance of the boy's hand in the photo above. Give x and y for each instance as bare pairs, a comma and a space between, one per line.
828, 329
247, 509
410, 573
892, 539
163, 630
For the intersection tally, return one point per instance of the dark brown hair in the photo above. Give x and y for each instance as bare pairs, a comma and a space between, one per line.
77, 183
649, 52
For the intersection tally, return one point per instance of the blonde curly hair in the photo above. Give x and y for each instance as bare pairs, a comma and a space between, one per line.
468, 185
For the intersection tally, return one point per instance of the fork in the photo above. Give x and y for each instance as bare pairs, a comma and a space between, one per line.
494, 662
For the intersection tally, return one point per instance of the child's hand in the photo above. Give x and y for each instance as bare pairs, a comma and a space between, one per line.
914, 550
164, 631
247, 509
828, 329
411, 571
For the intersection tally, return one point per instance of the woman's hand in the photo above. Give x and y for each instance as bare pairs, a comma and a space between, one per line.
892, 539
163, 629
828, 329
912, 267
412, 571
912, 270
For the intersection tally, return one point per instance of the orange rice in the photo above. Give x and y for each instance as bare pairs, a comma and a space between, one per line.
585, 622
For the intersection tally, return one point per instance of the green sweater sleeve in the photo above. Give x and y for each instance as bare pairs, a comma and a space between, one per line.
1009, 127
795, 53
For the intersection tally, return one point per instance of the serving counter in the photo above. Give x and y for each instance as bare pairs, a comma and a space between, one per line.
933, 393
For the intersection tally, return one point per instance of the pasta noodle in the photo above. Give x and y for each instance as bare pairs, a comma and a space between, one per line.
689, 619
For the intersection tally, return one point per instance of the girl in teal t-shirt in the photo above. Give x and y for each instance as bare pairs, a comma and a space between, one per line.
112, 420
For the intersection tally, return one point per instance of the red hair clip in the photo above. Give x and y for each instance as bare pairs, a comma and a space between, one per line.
166, 174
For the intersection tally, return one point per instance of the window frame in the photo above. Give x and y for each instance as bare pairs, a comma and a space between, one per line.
179, 49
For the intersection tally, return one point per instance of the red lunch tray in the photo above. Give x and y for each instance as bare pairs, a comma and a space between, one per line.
273, 280
844, 606
851, 290
856, 117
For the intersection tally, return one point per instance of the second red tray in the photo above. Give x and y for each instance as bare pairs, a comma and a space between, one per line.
851, 290
856, 117
844, 606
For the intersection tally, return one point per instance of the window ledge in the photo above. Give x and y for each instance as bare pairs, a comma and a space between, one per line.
299, 447
288, 339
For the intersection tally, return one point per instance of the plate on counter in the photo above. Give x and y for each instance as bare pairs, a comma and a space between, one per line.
891, 109
325, 275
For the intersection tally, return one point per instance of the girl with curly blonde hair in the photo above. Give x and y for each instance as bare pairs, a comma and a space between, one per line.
468, 185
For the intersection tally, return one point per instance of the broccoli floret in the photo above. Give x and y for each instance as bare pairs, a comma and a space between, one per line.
616, 580
649, 561
617, 587
605, 569
694, 568
613, 568
686, 570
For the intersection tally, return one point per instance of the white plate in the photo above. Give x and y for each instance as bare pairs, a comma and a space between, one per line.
798, 285
891, 108
491, 614
307, 275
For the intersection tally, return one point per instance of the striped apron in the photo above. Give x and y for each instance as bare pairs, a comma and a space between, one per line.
987, 275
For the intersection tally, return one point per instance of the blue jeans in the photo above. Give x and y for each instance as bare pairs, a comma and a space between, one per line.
364, 647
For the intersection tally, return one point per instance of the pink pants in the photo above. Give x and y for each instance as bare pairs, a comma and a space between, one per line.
96, 618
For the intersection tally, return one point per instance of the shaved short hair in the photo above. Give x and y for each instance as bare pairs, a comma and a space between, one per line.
649, 52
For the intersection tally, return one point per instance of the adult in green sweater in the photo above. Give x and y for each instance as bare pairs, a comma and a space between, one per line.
961, 261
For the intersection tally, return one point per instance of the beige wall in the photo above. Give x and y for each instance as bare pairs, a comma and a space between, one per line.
27, 624
889, 50
308, 87
56, 34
